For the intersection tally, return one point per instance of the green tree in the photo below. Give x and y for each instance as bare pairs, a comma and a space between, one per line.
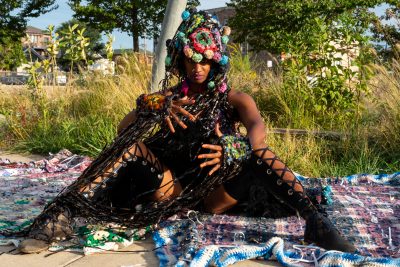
315, 37
11, 54
13, 19
386, 30
15, 13
139, 19
262, 22
96, 45
75, 44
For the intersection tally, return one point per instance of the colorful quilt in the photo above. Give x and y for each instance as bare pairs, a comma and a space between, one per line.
366, 208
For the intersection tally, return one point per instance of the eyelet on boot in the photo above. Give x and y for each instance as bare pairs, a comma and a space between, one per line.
279, 182
269, 171
290, 192
259, 161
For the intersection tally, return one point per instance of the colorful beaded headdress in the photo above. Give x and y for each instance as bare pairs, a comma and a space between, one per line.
199, 37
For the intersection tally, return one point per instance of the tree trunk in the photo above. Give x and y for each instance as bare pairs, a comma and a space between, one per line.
171, 22
135, 42
135, 31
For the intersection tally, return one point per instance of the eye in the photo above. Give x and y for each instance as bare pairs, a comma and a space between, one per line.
189, 60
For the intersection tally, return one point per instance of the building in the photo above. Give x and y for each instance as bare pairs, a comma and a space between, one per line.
35, 44
37, 38
223, 14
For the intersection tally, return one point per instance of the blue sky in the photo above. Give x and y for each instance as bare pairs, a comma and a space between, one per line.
122, 40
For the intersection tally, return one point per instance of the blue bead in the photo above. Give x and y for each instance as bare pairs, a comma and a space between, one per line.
185, 15
224, 60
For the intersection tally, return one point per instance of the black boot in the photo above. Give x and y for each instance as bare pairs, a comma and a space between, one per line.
54, 223
280, 181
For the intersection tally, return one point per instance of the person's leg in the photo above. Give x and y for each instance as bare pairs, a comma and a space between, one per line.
219, 201
230, 193
143, 170
280, 181
154, 182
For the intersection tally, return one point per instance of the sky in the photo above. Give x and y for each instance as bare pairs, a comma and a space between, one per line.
64, 13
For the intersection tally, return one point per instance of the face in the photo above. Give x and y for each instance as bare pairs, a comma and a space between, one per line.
197, 72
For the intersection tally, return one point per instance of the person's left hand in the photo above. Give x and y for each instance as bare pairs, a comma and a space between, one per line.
216, 155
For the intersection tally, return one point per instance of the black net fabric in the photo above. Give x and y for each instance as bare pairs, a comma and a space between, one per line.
88, 195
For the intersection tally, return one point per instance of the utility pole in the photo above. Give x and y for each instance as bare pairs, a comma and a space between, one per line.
170, 24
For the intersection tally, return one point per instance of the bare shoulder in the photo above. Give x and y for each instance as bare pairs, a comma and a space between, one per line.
239, 99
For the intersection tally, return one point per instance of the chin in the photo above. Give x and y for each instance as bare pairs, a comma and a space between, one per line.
197, 81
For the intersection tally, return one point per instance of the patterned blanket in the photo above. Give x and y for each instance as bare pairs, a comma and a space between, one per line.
366, 209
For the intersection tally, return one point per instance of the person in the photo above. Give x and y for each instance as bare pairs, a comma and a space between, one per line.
181, 148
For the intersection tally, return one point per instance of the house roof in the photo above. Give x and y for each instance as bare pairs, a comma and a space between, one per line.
34, 30
219, 9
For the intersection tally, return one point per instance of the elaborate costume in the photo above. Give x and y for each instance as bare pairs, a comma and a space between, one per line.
118, 186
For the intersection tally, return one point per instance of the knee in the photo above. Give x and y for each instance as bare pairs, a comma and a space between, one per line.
219, 201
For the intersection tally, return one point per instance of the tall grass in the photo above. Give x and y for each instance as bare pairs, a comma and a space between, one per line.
370, 141
83, 117
386, 109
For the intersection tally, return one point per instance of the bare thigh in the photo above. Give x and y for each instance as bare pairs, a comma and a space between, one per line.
219, 201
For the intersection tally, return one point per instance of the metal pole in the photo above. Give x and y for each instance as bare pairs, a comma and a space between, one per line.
170, 24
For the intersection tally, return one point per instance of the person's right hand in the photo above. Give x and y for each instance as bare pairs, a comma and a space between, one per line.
175, 109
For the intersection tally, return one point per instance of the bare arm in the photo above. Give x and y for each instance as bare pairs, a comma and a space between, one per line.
250, 117
127, 120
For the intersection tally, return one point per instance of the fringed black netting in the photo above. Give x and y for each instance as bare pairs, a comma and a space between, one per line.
146, 128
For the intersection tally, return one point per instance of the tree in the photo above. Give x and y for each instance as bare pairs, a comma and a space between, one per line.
316, 37
15, 13
386, 31
139, 18
13, 20
264, 24
95, 44
11, 54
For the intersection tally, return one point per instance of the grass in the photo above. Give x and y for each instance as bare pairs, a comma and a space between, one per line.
83, 117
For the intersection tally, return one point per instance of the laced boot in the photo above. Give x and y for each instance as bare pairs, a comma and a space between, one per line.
55, 223
280, 181
321, 231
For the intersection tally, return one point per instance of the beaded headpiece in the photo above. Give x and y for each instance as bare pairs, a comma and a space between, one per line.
199, 37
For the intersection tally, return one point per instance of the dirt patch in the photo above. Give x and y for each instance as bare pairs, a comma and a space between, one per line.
15, 157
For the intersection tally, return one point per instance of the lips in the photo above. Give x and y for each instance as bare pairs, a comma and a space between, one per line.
198, 76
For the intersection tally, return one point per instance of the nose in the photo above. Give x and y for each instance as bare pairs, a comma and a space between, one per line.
197, 67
